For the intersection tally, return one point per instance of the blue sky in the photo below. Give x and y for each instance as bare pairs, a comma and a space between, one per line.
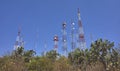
101, 18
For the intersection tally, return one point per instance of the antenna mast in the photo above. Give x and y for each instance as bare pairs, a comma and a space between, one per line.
81, 38
72, 36
64, 38
19, 40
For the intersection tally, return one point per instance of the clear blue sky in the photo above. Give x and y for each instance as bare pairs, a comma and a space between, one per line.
101, 18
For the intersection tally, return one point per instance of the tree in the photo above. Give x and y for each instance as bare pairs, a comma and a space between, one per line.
28, 55
78, 58
18, 52
103, 51
53, 55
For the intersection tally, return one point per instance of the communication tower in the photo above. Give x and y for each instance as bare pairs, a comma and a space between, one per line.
81, 38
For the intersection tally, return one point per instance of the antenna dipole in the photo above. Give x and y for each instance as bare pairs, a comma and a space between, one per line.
55, 43
81, 38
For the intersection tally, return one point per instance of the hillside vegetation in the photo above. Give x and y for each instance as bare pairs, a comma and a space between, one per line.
101, 56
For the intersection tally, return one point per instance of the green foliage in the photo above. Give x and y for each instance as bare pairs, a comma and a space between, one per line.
52, 55
101, 51
28, 55
102, 56
40, 64
8, 63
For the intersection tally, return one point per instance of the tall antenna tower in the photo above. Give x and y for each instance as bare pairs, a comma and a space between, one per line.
72, 36
55, 43
64, 38
19, 40
81, 38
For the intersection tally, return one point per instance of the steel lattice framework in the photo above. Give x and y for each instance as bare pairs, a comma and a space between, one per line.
81, 38
19, 40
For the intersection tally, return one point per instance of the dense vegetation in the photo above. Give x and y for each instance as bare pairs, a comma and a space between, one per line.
101, 56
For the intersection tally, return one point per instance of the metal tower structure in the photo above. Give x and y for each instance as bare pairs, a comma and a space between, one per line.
72, 36
73, 44
81, 38
55, 43
19, 40
64, 38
